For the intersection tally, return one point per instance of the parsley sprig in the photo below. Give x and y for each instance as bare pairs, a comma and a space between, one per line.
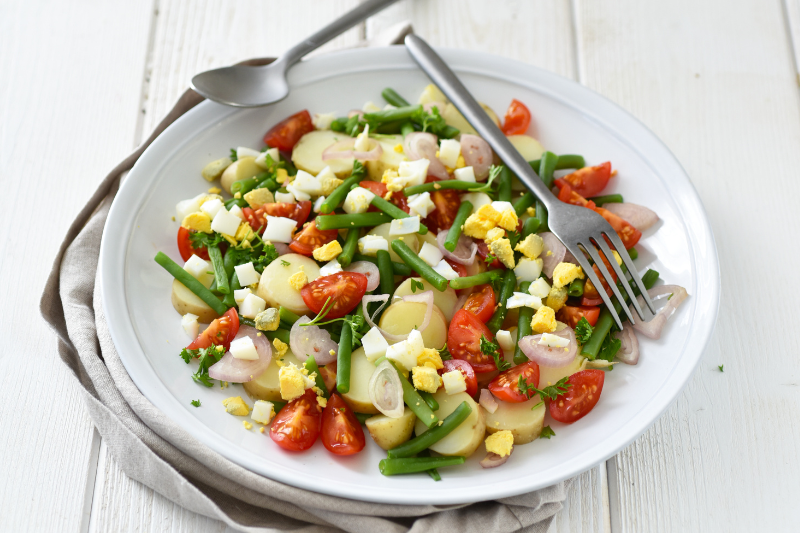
196, 403
444, 353
417, 285
546, 433
493, 350
198, 239
207, 357
583, 330
550, 392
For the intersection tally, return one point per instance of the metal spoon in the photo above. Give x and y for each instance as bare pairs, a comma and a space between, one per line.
242, 86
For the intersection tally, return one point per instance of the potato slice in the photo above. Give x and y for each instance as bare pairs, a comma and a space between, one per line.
307, 153
445, 301
454, 118
401, 317
477, 199
550, 376
412, 241
185, 301
390, 160
523, 422
390, 432
527, 146
241, 169
361, 371
274, 285
467, 437
267, 386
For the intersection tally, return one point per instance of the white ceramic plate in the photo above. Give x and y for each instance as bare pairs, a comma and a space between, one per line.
568, 119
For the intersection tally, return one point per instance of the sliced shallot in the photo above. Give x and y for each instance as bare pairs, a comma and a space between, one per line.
638, 216
550, 357
488, 401
282, 248
345, 150
423, 298
492, 459
369, 270
629, 350
551, 260
312, 340
421, 145
465, 249
477, 154
386, 391
672, 296
236, 370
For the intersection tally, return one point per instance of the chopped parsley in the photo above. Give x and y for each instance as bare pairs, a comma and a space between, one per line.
720, 368
490, 258
444, 353
547, 433
417, 285
609, 348
207, 357
550, 392
234, 157
493, 350
198, 239
433, 122
285, 263
583, 330
196, 403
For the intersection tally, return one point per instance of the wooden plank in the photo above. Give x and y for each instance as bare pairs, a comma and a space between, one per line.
68, 100
716, 82
792, 15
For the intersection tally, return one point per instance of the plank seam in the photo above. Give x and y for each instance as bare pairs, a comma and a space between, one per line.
91, 481
148, 68
612, 482
787, 22
576, 49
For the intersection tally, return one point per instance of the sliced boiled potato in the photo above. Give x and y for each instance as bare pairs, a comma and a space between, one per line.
401, 317
267, 386
430, 94
523, 422
527, 146
185, 301
453, 117
390, 159
412, 241
445, 301
429, 237
390, 432
274, 284
550, 376
361, 371
241, 169
307, 153
477, 199
468, 436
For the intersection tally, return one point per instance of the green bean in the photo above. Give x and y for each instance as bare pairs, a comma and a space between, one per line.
241, 202
430, 400
363, 417
433, 434
391, 96
504, 190
524, 202
288, 316
246, 185
289, 166
270, 184
229, 299
530, 226
343, 359
191, 283
412, 398
477, 279
277, 406
339, 124
406, 128
547, 166
400, 269
395, 212
506, 291
386, 272
432, 472
634, 253
523, 325
448, 132
439, 185
576, 288
454, 233
220, 276
390, 115
282, 334
390, 128
355, 220
338, 195
349, 248
564, 162
247, 321
541, 216
419, 266
311, 366
412, 465
607, 199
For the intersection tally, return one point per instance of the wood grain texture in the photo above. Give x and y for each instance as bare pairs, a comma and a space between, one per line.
792, 14
70, 86
721, 92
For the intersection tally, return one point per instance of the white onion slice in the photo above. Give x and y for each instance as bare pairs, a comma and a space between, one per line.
369, 270
477, 154
488, 401
385, 391
655, 326
569, 258
464, 295
550, 357
345, 150
423, 297
492, 459
551, 260
282, 248
465, 250
354, 112
236, 370
629, 351
638, 216
419, 145
312, 340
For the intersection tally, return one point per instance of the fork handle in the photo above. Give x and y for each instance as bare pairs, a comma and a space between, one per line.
444, 78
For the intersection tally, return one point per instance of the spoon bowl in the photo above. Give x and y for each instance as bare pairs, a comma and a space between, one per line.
244, 86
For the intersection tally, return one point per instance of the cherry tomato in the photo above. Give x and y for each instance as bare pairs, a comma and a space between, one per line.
483, 253
466, 369
589, 181
481, 303
219, 333
517, 119
464, 341
571, 315
285, 134
328, 374
506, 385
590, 293
297, 425
310, 238
580, 398
298, 212
447, 202
379, 189
345, 289
460, 269
185, 246
341, 430
568, 195
587, 301
627, 233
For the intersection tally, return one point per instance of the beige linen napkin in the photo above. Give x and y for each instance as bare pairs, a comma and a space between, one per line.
152, 449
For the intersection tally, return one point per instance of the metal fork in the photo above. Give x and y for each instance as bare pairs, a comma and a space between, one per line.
579, 228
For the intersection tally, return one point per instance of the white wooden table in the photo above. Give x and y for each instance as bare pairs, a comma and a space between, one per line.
83, 82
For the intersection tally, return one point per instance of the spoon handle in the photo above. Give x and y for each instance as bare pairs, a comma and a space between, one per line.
338, 26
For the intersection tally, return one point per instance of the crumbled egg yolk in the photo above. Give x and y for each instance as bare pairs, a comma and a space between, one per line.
391, 179
198, 221
322, 401
328, 252
236, 406
244, 232
494, 234
293, 382
214, 190
398, 148
258, 197
566, 273
268, 320
531, 211
298, 280
430, 357
247, 425
531, 247
501, 249
557, 298
328, 184
501, 443
509, 220
544, 321
280, 347
281, 175
426, 378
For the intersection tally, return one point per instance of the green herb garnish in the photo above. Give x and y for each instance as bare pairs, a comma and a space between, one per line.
493, 350
547, 433
583, 330
196, 403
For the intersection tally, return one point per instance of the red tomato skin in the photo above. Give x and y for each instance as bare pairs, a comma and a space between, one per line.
185, 246
590, 302
379, 189
581, 397
447, 203
219, 333
517, 119
483, 253
310, 238
590, 181
466, 369
345, 289
571, 315
298, 212
341, 431
463, 341
460, 269
506, 385
481, 303
296, 427
285, 134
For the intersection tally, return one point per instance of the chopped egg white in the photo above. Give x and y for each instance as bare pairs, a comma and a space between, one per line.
553, 341
279, 229
521, 299
404, 226
454, 382
430, 254
299, 195
444, 268
322, 121
273, 153
528, 269
358, 200
240, 294
211, 207
421, 204
318, 204
247, 274
449, 150
370, 244
362, 140
285, 198
540, 288
200, 269
251, 306
243, 151
187, 207
225, 222
331, 267
263, 411
305, 182
190, 325
413, 172
237, 212
243, 348
505, 340
465, 174
405, 353
374, 344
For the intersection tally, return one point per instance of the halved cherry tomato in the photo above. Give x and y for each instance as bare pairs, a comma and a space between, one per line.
571, 315
481, 303
464, 341
567, 195
285, 134
447, 202
483, 253
345, 289
588, 301
297, 425
379, 189
310, 238
589, 181
580, 398
328, 374
460, 269
517, 119
185, 246
590, 294
466, 369
506, 385
341, 430
219, 333
298, 212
